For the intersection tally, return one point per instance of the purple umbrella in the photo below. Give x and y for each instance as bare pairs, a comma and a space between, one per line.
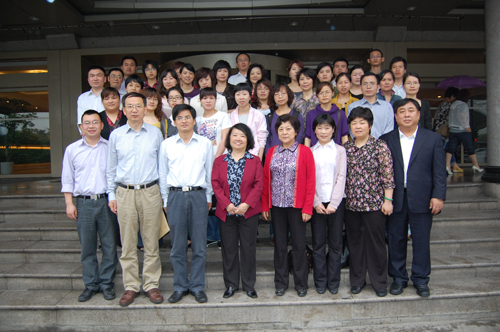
461, 82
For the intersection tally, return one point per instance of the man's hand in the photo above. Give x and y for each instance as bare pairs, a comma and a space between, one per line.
320, 208
436, 205
265, 215
242, 209
209, 206
165, 209
306, 217
71, 211
112, 206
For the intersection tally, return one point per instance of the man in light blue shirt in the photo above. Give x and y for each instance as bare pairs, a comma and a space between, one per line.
383, 114
242, 63
134, 195
84, 177
186, 161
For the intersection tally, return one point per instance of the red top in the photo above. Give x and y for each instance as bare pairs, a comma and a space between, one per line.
250, 189
305, 180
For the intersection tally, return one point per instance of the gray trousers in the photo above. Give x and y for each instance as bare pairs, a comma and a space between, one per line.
187, 214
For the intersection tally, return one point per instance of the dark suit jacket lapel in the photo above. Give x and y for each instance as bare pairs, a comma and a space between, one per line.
419, 142
397, 148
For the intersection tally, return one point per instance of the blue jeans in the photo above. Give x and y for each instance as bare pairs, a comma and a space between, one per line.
95, 217
213, 231
465, 138
453, 159
187, 215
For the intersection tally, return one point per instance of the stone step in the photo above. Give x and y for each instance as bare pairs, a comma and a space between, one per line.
477, 298
69, 275
32, 202
470, 203
463, 189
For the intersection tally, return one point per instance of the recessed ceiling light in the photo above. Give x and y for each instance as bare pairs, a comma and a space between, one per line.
294, 24
50, 1
411, 8
34, 18
156, 27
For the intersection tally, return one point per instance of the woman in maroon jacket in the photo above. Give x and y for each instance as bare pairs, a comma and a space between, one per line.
237, 181
289, 187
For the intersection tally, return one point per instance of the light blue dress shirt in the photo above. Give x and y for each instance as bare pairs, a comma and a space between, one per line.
133, 156
383, 115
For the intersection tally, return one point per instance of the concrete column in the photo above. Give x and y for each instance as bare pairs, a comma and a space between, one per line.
492, 12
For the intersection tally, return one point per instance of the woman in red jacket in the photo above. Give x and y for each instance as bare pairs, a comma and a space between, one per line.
289, 187
237, 181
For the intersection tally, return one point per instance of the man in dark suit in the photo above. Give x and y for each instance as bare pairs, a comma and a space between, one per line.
419, 173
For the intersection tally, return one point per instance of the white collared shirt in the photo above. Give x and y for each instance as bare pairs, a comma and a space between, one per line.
399, 90
88, 101
325, 158
406, 148
237, 78
184, 164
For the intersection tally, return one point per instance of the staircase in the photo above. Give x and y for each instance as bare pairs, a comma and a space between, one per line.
40, 280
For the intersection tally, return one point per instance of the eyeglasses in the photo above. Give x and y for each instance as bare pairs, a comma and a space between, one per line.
243, 60
277, 94
152, 99
149, 69
131, 107
187, 118
369, 83
265, 88
88, 123
116, 76
375, 56
325, 93
175, 98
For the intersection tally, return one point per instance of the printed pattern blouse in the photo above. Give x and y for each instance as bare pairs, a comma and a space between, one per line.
235, 171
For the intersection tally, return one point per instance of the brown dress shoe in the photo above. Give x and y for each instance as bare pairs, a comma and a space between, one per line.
155, 295
128, 298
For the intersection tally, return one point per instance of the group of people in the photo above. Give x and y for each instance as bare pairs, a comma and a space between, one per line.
356, 152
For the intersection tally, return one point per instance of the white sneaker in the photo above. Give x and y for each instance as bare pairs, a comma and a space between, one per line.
476, 169
448, 171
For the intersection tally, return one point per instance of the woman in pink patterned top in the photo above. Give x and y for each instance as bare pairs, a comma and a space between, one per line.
369, 189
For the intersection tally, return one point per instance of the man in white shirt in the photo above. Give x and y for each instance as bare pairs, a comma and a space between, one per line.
340, 65
398, 67
129, 67
134, 195
84, 178
185, 181
91, 100
116, 79
375, 60
242, 63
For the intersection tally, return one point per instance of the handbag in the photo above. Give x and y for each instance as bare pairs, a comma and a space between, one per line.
444, 130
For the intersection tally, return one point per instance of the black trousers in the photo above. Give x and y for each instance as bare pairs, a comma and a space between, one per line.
397, 233
282, 218
244, 230
365, 233
327, 228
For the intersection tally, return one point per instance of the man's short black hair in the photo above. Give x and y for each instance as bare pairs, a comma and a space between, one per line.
132, 95
451, 92
370, 74
129, 57
242, 53
243, 86
187, 66
341, 60
323, 118
152, 63
307, 72
208, 92
90, 112
324, 64
96, 67
397, 59
183, 107
377, 50
361, 112
248, 133
403, 102
134, 79
288, 118
116, 69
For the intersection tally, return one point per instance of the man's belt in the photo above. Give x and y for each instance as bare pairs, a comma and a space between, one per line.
138, 186
94, 197
186, 188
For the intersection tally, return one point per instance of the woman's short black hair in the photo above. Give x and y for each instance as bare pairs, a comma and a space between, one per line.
164, 74
208, 92
277, 88
175, 88
411, 73
187, 66
152, 63
288, 118
322, 65
357, 67
323, 118
348, 76
183, 107
221, 64
243, 87
307, 72
384, 72
263, 71
248, 133
361, 112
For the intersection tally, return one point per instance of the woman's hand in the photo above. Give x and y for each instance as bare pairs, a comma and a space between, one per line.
320, 208
231, 209
242, 209
387, 208
330, 209
265, 215
306, 217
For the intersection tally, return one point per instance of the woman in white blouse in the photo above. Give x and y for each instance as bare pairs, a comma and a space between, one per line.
328, 214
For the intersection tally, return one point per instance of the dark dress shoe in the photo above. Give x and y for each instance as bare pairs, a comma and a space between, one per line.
177, 296
397, 288
320, 290
381, 292
356, 289
280, 292
422, 290
252, 294
155, 296
86, 295
334, 290
128, 298
229, 292
301, 292
200, 296
109, 294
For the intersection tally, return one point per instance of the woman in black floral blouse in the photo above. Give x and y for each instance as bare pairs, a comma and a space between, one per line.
237, 180
369, 188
